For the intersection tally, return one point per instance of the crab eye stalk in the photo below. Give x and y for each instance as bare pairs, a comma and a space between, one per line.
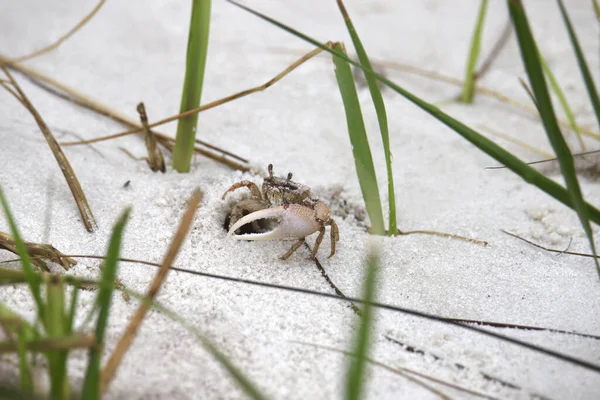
289, 177
270, 169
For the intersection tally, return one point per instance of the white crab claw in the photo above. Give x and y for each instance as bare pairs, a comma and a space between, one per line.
295, 221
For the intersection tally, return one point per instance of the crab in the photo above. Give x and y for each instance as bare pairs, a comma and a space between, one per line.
291, 204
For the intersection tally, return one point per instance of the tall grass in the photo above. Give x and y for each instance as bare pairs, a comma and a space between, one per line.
469, 85
56, 318
379, 105
562, 99
356, 368
192, 84
507, 159
363, 159
581, 61
58, 336
533, 65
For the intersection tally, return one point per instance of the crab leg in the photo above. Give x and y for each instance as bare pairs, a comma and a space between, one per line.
250, 185
292, 249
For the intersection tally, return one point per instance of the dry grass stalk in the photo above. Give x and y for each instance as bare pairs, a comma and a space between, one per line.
84, 208
496, 50
155, 158
83, 341
117, 355
444, 235
38, 252
515, 141
379, 65
207, 106
60, 40
67, 93
439, 234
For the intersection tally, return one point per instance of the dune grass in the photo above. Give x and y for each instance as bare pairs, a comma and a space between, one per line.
581, 61
361, 150
91, 385
356, 366
533, 66
562, 99
192, 84
470, 70
507, 159
379, 105
56, 318
57, 315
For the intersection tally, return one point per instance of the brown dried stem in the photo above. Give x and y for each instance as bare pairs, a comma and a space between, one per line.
516, 141
60, 40
117, 355
155, 157
82, 204
38, 252
207, 106
379, 64
495, 52
70, 94
406, 373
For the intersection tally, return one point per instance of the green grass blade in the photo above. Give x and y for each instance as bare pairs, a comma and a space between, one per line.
360, 144
562, 100
55, 323
507, 159
583, 67
72, 309
379, 105
192, 84
24, 332
356, 370
596, 9
469, 86
91, 385
32, 281
243, 382
24, 368
530, 56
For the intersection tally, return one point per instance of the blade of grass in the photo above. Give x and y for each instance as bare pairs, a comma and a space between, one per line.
356, 370
34, 284
381, 115
91, 384
583, 67
531, 60
55, 323
596, 9
468, 88
24, 332
192, 84
516, 165
25, 374
72, 310
246, 384
360, 144
126, 340
560, 95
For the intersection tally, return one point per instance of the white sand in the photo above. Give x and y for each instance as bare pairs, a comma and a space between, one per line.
134, 50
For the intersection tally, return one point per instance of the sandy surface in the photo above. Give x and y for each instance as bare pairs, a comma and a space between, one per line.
133, 51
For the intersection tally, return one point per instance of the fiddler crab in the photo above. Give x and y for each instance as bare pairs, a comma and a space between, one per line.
298, 214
